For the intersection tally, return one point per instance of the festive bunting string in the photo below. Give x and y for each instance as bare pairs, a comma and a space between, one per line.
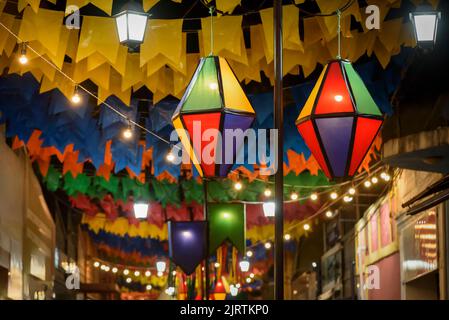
385, 41
100, 101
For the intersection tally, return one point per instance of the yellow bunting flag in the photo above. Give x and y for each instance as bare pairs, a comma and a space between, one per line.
34, 4
290, 28
227, 5
93, 39
44, 27
104, 5
7, 41
228, 38
157, 51
148, 4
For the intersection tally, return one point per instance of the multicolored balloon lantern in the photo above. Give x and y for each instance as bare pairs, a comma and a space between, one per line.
214, 100
187, 243
340, 120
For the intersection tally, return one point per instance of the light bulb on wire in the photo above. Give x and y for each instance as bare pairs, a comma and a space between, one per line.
334, 195
238, 186
267, 193
367, 184
314, 196
170, 157
294, 196
76, 98
351, 191
385, 176
128, 132
374, 180
306, 227
347, 198
329, 214
23, 59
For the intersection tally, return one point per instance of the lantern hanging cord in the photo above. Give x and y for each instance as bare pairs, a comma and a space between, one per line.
334, 13
211, 11
339, 34
124, 116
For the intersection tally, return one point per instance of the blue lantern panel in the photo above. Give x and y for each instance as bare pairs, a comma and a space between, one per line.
335, 135
233, 122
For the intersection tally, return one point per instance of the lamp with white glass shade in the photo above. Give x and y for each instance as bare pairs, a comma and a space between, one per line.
131, 23
425, 23
268, 209
141, 210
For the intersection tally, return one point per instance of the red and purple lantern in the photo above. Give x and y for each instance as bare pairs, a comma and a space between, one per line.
340, 120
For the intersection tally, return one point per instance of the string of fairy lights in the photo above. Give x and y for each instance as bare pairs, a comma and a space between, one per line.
133, 273
127, 132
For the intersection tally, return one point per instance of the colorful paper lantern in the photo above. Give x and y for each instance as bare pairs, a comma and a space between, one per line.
215, 100
340, 120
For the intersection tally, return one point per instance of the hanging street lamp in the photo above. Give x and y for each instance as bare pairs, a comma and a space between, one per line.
425, 23
131, 24
141, 210
269, 209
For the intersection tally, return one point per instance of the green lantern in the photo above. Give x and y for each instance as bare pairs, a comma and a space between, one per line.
214, 100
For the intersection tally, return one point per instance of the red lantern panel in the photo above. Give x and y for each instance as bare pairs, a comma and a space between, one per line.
202, 122
334, 96
365, 133
308, 133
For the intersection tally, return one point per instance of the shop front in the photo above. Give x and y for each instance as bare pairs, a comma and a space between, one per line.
419, 256
377, 252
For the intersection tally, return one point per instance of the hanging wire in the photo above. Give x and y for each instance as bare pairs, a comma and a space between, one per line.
312, 14
211, 11
339, 34
86, 90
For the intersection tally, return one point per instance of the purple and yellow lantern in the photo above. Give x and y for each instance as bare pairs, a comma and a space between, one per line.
214, 100
340, 120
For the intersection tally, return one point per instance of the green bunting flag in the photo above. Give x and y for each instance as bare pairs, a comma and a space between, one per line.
226, 222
